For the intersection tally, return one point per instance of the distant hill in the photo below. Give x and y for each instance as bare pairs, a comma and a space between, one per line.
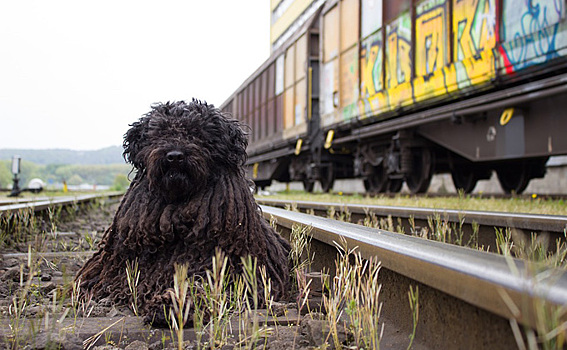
108, 155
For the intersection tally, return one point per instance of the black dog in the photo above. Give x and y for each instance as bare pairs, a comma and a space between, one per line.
188, 198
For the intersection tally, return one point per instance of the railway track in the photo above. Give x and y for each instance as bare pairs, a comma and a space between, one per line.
466, 297
465, 225
526, 196
41, 204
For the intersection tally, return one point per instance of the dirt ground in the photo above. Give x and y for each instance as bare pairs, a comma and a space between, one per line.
38, 311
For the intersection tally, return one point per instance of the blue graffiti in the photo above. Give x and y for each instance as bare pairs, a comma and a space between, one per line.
534, 29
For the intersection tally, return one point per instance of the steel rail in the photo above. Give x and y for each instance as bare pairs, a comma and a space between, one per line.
44, 204
476, 277
528, 222
21, 200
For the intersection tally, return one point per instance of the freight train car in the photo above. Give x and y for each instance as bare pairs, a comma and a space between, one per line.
396, 91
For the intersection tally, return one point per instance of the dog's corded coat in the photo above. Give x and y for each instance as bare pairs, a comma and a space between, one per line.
189, 197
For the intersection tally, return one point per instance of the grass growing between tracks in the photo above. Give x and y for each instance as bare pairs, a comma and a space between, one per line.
36, 304
508, 242
23, 225
222, 312
532, 205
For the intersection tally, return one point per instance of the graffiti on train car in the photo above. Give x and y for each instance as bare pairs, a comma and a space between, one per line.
474, 25
431, 49
533, 32
398, 61
431, 37
371, 65
372, 95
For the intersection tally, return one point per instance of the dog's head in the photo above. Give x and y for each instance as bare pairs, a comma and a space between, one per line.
182, 146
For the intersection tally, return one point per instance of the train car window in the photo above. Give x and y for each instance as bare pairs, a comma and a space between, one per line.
392, 9
349, 20
279, 83
331, 34
370, 17
431, 37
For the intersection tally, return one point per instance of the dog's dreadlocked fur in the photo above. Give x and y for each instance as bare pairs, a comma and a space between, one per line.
189, 196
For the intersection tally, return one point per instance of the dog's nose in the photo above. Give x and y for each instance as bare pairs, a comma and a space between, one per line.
174, 156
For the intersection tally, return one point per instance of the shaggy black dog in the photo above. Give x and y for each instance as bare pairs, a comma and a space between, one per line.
188, 198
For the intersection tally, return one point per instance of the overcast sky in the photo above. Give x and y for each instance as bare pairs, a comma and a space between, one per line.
75, 73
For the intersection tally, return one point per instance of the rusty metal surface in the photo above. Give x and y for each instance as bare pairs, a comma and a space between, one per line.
476, 277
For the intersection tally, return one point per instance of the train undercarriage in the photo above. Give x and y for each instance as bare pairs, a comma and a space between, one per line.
385, 166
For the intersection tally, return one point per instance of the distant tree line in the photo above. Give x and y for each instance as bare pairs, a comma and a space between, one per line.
108, 155
72, 174
55, 166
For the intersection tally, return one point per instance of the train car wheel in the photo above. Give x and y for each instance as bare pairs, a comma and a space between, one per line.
419, 178
464, 178
308, 185
327, 178
395, 185
367, 186
514, 178
377, 182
